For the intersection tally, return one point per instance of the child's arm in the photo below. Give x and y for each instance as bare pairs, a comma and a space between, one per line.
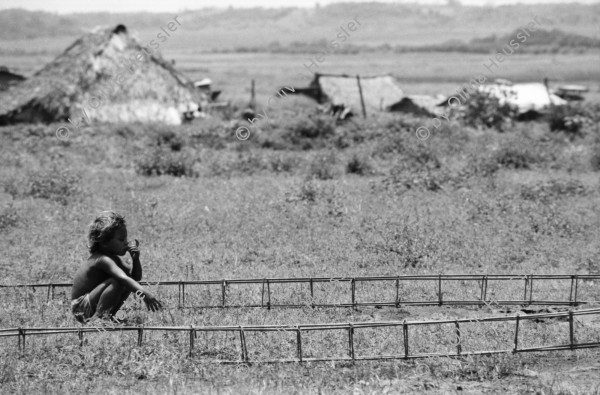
113, 270
136, 272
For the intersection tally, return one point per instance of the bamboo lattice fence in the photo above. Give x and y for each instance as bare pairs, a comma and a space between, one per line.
352, 337
394, 291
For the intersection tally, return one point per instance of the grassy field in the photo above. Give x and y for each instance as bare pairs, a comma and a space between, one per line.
303, 196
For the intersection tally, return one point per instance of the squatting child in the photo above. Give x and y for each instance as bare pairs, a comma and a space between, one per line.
103, 282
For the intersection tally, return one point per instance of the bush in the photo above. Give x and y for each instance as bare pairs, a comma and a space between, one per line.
485, 109
160, 161
358, 165
309, 132
569, 119
169, 138
514, 158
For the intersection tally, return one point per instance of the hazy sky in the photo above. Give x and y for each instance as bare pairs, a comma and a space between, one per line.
67, 6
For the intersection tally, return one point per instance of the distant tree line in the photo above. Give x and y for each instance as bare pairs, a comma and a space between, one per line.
541, 41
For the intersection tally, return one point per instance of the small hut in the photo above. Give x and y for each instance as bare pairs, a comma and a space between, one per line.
104, 76
378, 92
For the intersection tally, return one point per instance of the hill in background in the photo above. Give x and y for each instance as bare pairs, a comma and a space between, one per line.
399, 26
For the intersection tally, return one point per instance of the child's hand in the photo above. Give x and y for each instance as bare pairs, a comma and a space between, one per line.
152, 303
134, 249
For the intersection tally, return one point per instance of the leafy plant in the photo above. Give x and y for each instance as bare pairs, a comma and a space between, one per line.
485, 109
569, 119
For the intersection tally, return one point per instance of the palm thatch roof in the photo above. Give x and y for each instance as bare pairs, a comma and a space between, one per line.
419, 105
379, 92
107, 76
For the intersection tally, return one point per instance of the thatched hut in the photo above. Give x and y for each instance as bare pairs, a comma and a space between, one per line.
104, 76
379, 92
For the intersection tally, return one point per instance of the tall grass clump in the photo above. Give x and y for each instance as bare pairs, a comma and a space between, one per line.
160, 161
322, 167
359, 165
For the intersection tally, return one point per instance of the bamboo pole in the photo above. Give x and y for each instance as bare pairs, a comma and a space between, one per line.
362, 100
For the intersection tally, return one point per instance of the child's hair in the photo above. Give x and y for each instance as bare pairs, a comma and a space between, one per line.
103, 227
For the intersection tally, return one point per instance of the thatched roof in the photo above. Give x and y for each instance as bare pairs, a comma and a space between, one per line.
418, 105
379, 92
90, 76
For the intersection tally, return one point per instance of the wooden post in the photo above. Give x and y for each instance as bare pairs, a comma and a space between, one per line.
484, 285
179, 295
571, 331
362, 100
530, 289
353, 285
351, 341
458, 338
549, 94
517, 334
312, 294
192, 333
397, 292
262, 295
268, 295
243, 344
223, 292
572, 288
140, 335
405, 335
252, 104
440, 301
299, 343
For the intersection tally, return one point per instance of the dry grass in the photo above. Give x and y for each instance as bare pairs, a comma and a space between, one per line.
250, 210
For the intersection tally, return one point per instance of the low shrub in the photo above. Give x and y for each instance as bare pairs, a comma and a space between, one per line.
161, 161
570, 119
309, 132
169, 138
485, 109
515, 158
359, 165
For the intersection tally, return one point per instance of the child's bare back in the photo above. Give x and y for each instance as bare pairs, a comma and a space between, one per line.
103, 282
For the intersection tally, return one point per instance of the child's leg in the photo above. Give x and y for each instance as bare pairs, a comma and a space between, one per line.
108, 297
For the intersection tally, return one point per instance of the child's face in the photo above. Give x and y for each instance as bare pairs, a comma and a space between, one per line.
117, 244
